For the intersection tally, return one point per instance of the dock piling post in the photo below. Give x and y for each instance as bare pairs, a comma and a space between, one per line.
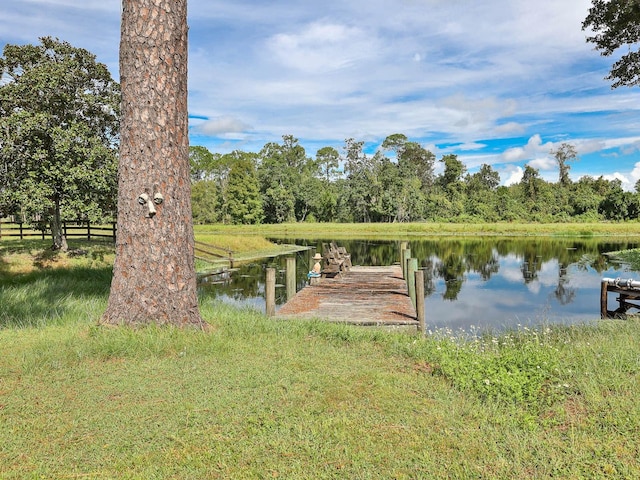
406, 254
603, 298
422, 324
403, 247
291, 277
412, 268
270, 292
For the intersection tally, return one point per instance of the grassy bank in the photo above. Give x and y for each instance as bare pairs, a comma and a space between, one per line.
400, 230
261, 398
256, 398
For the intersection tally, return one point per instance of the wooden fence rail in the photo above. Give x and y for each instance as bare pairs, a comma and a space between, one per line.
70, 229
221, 253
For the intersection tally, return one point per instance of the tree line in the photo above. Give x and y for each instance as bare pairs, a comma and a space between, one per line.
397, 183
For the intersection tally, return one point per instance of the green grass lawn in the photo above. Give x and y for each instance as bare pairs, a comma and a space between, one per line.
260, 398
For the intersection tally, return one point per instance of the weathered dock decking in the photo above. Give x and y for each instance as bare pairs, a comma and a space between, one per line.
362, 296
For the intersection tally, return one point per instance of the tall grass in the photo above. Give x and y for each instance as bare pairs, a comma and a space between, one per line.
39, 287
630, 257
259, 398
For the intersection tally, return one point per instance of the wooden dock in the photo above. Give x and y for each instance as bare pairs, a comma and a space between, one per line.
362, 296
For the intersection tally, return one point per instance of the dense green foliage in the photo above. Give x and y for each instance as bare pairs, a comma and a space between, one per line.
614, 24
58, 134
397, 183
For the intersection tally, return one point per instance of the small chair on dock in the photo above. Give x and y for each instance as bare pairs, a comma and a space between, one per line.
342, 254
336, 260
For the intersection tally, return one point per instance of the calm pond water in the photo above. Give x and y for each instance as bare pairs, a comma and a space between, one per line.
481, 282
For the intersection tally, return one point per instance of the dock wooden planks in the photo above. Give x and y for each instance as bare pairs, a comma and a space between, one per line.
362, 296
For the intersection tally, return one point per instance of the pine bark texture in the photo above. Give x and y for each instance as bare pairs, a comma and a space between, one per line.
154, 279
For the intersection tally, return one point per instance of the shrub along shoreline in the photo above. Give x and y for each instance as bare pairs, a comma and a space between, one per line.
261, 398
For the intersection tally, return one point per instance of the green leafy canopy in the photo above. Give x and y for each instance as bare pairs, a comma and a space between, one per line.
59, 114
616, 24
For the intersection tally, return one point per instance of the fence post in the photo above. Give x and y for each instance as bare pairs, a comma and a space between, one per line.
412, 268
270, 292
21, 237
291, 277
422, 324
113, 229
88, 230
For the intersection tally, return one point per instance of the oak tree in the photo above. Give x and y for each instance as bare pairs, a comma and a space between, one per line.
154, 278
59, 111
616, 25
281, 170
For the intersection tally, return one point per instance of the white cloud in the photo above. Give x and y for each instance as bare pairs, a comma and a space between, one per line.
631, 148
321, 47
627, 184
84, 4
470, 146
543, 163
635, 173
514, 175
532, 149
221, 126
92, 24
510, 128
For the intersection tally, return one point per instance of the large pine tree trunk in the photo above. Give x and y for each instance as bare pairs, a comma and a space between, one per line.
154, 278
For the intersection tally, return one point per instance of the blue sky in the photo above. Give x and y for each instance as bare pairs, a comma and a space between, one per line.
501, 82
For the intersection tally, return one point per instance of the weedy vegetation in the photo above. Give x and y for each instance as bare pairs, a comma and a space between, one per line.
629, 257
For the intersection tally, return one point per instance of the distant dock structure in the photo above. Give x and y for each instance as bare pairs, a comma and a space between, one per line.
628, 291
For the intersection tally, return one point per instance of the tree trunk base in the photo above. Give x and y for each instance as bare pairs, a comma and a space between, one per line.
140, 314
60, 244
113, 318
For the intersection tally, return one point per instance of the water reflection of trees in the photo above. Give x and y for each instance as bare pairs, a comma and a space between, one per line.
452, 259
563, 293
446, 259
248, 280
